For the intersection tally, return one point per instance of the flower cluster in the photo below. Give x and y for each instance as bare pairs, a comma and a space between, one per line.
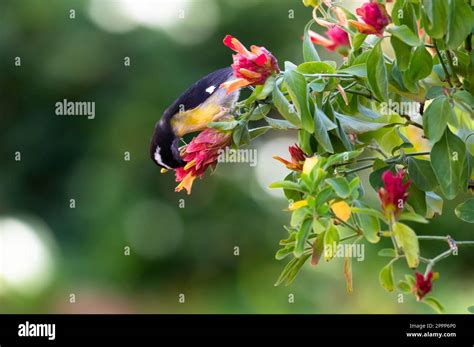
199, 154
250, 67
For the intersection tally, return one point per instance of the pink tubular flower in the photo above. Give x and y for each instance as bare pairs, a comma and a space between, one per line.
338, 38
422, 285
250, 67
297, 158
375, 18
393, 194
200, 153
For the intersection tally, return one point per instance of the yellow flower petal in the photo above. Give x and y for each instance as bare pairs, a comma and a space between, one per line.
309, 164
186, 183
297, 204
190, 164
342, 210
163, 170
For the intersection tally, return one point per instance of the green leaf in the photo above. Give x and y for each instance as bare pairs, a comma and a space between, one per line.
343, 157
421, 172
285, 108
359, 70
318, 227
413, 217
408, 241
286, 270
296, 85
410, 280
386, 277
404, 33
291, 270
435, 16
304, 139
351, 124
402, 53
317, 85
343, 136
368, 211
280, 124
448, 160
256, 132
315, 67
417, 199
404, 286
287, 185
375, 178
433, 303
355, 187
369, 221
404, 13
357, 40
324, 195
291, 193
309, 51
377, 73
434, 204
241, 135
284, 252
470, 309
421, 64
465, 211
340, 186
298, 216
405, 142
367, 111
435, 118
460, 22
387, 252
321, 132
259, 112
224, 126
331, 240
302, 237
296, 268
267, 88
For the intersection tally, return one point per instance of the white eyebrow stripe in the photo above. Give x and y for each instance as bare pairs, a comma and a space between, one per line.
158, 158
211, 89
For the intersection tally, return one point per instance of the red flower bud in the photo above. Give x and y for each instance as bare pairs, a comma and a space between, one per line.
250, 67
422, 285
297, 158
393, 194
375, 18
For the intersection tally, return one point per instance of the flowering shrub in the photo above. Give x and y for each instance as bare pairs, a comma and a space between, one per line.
353, 117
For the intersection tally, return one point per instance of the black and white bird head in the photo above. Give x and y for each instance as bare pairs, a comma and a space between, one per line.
200, 104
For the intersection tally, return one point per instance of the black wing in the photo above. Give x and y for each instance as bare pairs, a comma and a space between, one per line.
197, 94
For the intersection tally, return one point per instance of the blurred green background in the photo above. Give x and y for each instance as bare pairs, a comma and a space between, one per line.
54, 258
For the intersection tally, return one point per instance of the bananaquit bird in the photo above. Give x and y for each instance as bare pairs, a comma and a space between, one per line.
202, 103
